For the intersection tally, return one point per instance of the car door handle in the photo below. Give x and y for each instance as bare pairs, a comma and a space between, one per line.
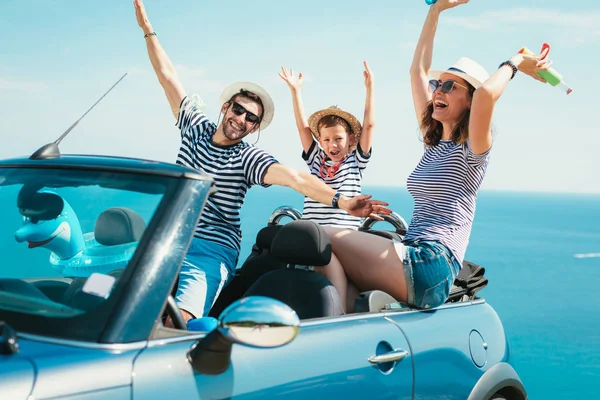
393, 355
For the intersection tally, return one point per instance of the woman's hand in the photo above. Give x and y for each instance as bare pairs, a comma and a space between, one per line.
531, 64
363, 206
442, 5
368, 76
294, 83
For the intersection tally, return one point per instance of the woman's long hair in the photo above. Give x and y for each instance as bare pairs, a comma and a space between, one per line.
433, 129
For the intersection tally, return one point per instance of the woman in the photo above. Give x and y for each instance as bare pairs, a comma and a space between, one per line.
454, 110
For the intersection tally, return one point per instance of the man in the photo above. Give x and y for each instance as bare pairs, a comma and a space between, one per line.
219, 151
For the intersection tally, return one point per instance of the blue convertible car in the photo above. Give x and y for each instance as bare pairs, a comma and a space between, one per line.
90, 253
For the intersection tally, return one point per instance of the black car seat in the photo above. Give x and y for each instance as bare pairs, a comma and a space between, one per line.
114, 226
311, 295
259, 262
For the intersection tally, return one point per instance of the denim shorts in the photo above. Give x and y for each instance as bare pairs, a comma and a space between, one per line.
207, 268
430, 269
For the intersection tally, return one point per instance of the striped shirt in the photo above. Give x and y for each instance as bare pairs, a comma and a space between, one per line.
444, 187
234, 169
347, 181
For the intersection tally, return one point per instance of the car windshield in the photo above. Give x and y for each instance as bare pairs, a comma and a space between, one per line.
67, 236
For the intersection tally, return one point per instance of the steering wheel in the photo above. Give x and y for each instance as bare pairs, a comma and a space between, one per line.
173, 312
395, 219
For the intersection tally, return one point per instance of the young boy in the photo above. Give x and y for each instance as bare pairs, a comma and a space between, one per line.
343, 154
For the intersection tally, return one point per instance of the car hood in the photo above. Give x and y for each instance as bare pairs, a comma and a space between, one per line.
63, 369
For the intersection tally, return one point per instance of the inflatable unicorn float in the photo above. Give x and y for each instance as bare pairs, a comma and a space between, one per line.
50, 222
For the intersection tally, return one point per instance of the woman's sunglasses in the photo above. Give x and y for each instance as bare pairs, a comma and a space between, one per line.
446, 87
238, 109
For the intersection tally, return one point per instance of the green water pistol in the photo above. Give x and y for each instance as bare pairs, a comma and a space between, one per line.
550, 75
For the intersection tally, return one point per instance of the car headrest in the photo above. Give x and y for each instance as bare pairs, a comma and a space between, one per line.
265, 236
118, 225
302, 243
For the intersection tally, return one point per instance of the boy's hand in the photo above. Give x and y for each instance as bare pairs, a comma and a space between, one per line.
294, 83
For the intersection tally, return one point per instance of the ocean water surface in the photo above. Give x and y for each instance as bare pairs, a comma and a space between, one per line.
542, 258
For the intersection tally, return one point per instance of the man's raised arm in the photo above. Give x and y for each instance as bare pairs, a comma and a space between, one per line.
163, 67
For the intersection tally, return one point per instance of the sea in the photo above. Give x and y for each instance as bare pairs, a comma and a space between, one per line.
541, 253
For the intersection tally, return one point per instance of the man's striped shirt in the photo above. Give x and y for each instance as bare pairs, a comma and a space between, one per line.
444, 187
234, 169
347, 181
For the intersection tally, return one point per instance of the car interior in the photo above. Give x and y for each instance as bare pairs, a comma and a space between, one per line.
113, 227
277, 267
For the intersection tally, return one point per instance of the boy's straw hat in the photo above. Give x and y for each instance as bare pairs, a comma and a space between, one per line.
355, 126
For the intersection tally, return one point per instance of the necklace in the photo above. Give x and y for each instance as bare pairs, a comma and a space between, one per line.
329, 171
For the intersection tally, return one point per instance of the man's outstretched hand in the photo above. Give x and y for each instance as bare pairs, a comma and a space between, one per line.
363, 206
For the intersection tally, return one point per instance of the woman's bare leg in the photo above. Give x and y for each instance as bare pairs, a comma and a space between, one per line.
369, 261
336, 275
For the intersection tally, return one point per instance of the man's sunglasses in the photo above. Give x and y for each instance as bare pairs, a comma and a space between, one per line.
446, 86
238, 109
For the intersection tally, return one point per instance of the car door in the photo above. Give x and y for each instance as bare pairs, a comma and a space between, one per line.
328, 359
17, 375
452, 346
71, 369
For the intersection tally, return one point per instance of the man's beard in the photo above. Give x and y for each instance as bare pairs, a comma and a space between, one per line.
233, 134
229, 136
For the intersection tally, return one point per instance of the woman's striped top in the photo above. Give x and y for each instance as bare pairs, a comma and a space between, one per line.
444, 187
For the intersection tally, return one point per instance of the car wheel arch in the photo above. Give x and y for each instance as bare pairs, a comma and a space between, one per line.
500, 380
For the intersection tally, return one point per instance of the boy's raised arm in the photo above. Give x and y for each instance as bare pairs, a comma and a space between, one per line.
366, 136
295, 85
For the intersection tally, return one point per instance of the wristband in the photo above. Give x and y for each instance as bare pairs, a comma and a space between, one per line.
150, 34
510, 64
336, 199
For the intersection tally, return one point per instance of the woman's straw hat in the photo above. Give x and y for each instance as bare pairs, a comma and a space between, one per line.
467, 69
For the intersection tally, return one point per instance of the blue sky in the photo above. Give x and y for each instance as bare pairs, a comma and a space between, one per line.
58, 57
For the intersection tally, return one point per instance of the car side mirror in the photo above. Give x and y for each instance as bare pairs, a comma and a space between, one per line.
252, 321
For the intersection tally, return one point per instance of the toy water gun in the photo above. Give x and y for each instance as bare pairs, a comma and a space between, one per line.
551, 75
430, 2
